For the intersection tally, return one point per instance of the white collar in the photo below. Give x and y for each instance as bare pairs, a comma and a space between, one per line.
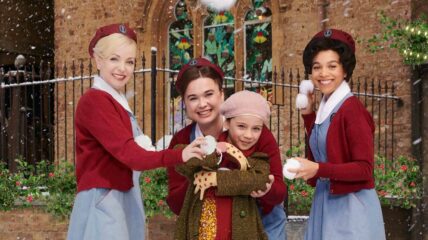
102, 85
198, 131
327, 106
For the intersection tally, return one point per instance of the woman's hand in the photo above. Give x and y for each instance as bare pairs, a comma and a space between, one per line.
309, 108
307, 169
193, 150
260, 193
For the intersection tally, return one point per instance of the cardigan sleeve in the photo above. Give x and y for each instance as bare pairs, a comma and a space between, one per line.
177, 183
236, 182
101, 117
278, 192
355, 148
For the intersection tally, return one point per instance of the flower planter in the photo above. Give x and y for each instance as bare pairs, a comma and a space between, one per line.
397, 222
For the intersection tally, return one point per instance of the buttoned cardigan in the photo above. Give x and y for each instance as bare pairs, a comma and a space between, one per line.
350, 148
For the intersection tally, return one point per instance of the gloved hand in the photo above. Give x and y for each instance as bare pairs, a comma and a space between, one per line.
203, 181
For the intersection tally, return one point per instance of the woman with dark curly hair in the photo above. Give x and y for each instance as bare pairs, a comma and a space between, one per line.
341, 155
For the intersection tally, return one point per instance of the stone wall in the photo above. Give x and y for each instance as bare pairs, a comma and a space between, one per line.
293, 24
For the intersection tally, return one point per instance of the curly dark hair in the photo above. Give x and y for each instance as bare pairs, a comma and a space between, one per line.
316, 45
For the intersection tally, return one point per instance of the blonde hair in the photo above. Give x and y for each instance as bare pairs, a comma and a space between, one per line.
108, 44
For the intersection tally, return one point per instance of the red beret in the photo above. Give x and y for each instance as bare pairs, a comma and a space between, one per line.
197, 62
108, 30
337, 35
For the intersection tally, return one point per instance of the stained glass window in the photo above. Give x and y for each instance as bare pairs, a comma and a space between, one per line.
258, 42
180, 38
219, 41
180, 52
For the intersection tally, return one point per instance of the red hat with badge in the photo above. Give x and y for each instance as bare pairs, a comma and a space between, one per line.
333, 34
108, 30
197, 62
339, 35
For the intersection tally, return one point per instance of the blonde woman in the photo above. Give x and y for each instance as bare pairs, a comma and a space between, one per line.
108, 203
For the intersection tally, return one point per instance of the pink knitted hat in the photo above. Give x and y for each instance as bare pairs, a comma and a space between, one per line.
246, 103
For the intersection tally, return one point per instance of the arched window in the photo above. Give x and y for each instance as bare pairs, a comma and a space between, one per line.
258, 42
219, 40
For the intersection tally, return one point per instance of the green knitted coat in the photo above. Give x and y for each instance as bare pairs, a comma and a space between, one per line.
246, 221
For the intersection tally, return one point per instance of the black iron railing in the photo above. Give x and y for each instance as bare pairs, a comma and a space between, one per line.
37, 107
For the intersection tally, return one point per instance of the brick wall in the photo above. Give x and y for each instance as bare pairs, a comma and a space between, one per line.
31, 224
293, 24
35, 224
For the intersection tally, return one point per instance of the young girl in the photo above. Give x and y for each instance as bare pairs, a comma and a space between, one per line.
345, 204
200, 84
108, 204
219, 205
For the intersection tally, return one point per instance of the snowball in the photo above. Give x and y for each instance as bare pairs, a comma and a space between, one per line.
301, 101
306, 86
160, 143
219, 5
145, 142
210, 145
291, 163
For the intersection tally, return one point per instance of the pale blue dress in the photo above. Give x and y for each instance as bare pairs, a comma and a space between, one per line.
108, 214
349, 216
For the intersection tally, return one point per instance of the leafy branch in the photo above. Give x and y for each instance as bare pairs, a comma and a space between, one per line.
410, 38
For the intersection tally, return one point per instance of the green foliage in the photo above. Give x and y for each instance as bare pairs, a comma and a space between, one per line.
299, 196
42, 184
410, 38
30, 181
296, 151
61, 184
154, 187
398, 182
8, 190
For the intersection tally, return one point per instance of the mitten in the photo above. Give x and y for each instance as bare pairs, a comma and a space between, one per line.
236, 154
306, 87
203, 181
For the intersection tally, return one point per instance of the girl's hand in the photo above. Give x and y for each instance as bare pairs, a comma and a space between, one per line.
310, 108
193, 150
260, 193
307, 169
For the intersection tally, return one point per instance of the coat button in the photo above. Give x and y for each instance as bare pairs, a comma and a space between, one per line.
243, 214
